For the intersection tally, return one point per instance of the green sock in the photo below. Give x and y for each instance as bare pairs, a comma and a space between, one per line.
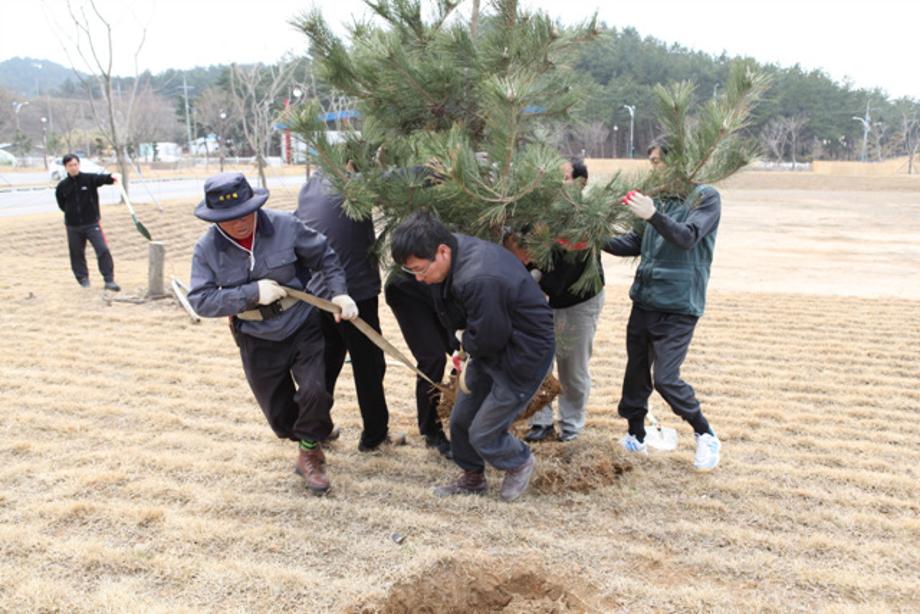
307, 444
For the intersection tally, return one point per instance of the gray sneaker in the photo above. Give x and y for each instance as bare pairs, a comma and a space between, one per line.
517, 480
111, 285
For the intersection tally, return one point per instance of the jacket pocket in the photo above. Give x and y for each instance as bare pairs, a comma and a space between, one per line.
282, 266
670, 289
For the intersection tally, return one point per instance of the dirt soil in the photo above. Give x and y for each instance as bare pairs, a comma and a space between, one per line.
137, 473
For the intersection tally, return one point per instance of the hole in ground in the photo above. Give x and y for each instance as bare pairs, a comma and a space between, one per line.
452, 586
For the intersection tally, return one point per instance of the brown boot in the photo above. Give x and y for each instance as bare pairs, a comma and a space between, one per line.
517, 480
468, 483
311, 466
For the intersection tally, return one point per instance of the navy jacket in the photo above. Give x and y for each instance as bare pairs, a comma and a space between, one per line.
507, 322
78, 197
224, 275
320, 208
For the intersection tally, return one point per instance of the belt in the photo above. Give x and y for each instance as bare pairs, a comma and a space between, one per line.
267, 312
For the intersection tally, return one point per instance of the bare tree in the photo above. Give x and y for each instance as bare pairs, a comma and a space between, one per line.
254, 95
774, 136
155, 119
593, 137
793, 126
6, 111
211, 111
910, 134
70, 116
879, 130
97, 55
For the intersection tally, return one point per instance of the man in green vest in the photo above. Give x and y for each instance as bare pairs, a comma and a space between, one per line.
668, 294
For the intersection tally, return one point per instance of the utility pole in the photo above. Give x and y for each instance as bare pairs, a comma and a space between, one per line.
188, 122
45, 141
632, 120
867, 123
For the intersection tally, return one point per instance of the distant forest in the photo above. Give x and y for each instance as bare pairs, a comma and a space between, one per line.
806, 115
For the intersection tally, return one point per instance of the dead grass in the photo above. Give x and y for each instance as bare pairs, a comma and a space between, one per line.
137, 474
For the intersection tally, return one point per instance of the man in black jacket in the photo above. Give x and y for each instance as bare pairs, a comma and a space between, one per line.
481, 289
78, 197
319, 206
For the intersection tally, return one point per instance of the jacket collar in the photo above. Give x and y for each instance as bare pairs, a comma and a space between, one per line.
454, 244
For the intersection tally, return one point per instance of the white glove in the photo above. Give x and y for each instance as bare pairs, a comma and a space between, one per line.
270, 291
348, 307
537, 274
640, 204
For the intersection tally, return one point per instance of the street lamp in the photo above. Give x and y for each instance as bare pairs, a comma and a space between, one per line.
45, 141
616, 134
632, 120
220, 138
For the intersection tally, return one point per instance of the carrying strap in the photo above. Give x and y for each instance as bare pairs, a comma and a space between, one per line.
364, 327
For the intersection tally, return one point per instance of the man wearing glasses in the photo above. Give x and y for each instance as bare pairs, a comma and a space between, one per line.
481, 289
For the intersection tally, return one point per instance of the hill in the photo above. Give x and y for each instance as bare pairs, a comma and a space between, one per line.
32, 77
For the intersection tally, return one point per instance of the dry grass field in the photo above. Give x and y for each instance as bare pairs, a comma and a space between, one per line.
137, 474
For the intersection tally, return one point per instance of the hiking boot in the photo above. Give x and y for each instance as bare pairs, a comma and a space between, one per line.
392, 439
111, 285
311, 467
84, 282
439, 442
568, 435
467, 483
707, 452
633, 445
540, 432
517, 480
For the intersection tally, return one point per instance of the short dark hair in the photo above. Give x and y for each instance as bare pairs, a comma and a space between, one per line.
68, 157
661, 143
419, 235
578, 168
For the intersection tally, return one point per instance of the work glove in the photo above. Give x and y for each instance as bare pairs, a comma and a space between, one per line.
349, 310
537, 274
458, 361
640, 204
270, 291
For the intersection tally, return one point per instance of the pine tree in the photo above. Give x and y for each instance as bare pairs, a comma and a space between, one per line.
456, 125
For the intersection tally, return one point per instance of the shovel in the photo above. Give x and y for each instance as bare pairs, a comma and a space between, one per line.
137, 223
660, 437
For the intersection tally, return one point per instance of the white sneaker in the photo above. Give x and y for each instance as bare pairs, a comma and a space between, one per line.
707, 452
633, 445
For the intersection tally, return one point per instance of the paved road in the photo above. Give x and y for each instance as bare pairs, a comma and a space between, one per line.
41, 200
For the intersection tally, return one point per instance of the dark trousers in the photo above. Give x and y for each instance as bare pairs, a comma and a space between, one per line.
657, 342
428, 341
273, 367
77, 236
480, 420
367, 364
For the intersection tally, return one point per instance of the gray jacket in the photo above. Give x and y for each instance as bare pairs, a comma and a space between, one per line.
224, 274
320, 208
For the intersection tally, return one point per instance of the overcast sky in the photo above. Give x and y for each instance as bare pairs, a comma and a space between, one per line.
872, 43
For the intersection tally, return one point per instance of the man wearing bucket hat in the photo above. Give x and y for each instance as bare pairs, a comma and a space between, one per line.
239, 267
